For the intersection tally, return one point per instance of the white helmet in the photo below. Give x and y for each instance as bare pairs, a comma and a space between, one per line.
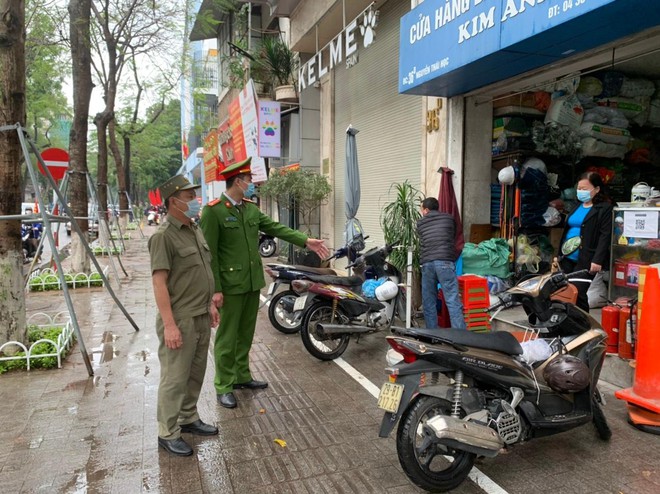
507, 175
387, 291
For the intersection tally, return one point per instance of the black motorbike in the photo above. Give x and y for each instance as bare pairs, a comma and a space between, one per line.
334, 310
458, 395
281, 308
267, 245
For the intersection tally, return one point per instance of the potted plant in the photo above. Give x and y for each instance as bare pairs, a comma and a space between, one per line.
399, 223
281, 65
301, 192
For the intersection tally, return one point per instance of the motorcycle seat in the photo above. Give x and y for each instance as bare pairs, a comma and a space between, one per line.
500, 341
319, 271
350, 281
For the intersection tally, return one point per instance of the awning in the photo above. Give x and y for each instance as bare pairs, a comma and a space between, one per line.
450, 52
202, 28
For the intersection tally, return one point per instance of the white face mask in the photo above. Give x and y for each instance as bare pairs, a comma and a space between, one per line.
194, 207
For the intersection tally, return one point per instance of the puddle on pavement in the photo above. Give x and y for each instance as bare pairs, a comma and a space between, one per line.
106, 351
78, 484
141, 355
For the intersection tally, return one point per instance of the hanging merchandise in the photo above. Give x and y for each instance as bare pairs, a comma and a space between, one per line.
640, 192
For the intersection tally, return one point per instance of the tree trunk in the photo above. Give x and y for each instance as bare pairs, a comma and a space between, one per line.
79, 13
121, 175
127, 169
12, 110
101, 121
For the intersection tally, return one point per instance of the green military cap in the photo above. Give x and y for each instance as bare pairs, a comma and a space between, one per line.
237, 169
175, 184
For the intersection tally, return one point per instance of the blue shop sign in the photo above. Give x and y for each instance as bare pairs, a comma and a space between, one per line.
449, 47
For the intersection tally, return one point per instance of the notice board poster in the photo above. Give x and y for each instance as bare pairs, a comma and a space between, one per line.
270, 136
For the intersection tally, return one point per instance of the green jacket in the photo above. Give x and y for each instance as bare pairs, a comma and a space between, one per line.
233, 238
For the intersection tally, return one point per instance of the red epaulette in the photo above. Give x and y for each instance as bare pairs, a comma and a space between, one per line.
213, 202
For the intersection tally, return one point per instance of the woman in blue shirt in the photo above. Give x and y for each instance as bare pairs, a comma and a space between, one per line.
587, 235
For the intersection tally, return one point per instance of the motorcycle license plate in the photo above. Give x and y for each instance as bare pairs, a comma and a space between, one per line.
271, 289
390, 397
299, 304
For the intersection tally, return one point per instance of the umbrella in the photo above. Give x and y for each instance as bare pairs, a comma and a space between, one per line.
352, 189
448, 204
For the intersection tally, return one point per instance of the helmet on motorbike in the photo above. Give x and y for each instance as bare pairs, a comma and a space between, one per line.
387, 291
567, 374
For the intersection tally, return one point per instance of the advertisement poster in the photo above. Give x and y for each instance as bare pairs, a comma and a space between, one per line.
250, 124
269, 129
226, 143
211, 160
236, 128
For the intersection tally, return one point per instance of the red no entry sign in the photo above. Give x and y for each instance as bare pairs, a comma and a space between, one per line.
57, 162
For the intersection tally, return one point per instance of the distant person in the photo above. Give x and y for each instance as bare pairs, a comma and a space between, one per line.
437, 233
231, 226
183, 287
585, 243
31, 234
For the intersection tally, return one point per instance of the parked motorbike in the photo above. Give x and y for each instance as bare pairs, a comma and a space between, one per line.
267, 245
332, 312
280, 310
152, 218
458, 395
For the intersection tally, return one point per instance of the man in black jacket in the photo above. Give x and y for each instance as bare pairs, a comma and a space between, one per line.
437, 232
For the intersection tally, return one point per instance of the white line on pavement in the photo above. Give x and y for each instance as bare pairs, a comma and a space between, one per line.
477, 476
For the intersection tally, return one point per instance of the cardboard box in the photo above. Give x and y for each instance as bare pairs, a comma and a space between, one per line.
523, 99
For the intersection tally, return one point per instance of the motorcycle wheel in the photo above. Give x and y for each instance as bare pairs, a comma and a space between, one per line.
267, 248
599, 420
322, 348
429, 465
280, 318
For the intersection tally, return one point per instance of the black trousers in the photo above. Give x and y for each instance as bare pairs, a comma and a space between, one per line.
568, 266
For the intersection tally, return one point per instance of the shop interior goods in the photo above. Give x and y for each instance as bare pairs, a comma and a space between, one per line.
607, 122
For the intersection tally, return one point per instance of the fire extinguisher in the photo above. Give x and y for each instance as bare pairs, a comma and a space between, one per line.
627, 326
610, 320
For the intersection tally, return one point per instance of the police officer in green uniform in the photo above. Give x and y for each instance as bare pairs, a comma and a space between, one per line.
231, 227
183, 287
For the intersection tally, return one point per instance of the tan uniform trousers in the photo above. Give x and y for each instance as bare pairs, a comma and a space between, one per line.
181, 374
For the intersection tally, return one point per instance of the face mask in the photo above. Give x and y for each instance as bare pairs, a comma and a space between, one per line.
250, 191
584, 195
194, 207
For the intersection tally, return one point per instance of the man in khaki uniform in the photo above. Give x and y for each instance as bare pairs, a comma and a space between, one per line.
231, 227
183, 287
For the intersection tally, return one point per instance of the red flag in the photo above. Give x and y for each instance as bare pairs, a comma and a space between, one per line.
448, 204
159, 201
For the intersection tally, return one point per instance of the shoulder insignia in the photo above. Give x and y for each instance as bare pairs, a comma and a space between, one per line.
213, 202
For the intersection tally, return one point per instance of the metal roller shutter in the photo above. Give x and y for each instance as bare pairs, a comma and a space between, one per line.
389, 143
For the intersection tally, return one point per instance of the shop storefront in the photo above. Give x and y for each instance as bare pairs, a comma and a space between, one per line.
356, 77
561, 86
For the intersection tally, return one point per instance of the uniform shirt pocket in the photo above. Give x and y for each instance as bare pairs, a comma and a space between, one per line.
189, 257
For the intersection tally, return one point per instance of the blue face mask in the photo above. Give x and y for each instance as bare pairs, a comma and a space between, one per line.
584, 195
194, 207
250, 191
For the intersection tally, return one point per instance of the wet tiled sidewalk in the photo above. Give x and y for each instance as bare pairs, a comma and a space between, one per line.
64, 432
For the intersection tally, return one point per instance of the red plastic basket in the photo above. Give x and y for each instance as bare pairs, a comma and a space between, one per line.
474, 291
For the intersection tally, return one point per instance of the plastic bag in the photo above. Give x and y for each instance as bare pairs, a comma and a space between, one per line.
565, 110
551, 217
536, 350
489, 257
